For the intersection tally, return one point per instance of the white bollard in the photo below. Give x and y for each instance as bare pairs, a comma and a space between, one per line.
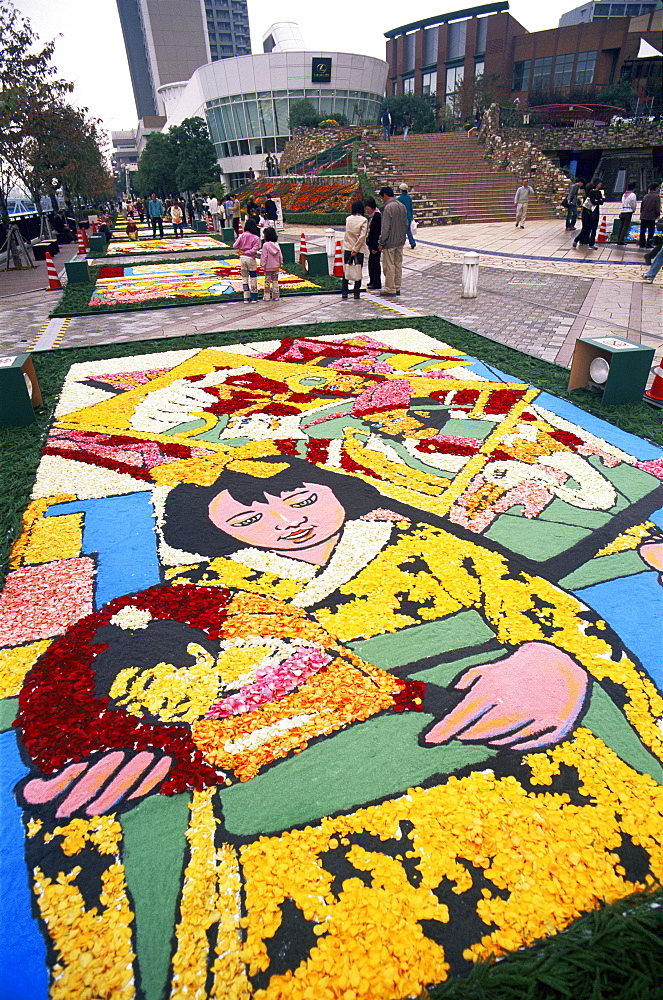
330, 242
470, 275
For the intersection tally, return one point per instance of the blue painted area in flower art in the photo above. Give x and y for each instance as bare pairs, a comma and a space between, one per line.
636, 446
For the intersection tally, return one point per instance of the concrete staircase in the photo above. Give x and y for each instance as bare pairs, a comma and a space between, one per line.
450, 178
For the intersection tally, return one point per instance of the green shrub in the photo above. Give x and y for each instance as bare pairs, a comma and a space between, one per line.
315, 218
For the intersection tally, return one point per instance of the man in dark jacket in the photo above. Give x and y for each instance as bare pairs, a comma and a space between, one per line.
650, 210
270, 210
392, 238
373, 244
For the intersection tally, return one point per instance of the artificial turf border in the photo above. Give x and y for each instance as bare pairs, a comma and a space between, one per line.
213, 236
75, 298
613, 953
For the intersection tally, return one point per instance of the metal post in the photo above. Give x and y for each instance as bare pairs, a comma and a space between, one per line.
470, 276
330, 242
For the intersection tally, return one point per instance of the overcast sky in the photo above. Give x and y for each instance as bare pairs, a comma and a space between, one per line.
89, 48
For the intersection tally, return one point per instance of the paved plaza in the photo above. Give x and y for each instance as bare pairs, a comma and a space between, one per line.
536, 294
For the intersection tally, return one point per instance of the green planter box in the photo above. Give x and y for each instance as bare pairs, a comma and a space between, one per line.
288, 251
229, 236
78, 271
97, 246
629, 365
317, 263
199, 226
19, 391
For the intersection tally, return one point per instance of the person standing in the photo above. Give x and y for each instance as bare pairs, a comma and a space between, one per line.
139, 208
521, 202
237, 211
385, 121
405, 198
229, 208
392, 237
590, 206
373, 245
213, 206
354, 246
629, 202
572, 203
176, 217
271, 212
269, 164
271, 260
650, 210
198, 205
155, 214
406, 124
248, 245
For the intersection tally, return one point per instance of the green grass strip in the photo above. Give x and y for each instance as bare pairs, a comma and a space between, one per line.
76, 296
612, 953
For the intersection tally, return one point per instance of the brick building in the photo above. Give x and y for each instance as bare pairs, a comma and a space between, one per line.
431, 56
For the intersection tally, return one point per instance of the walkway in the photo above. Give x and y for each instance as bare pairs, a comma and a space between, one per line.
535, 294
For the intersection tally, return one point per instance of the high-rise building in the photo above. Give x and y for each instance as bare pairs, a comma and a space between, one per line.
594, 11
168, 40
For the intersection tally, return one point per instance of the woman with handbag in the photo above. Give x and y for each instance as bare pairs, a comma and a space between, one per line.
354, 248
590, 211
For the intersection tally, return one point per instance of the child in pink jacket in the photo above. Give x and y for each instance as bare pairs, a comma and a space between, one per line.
248, 245
271, 259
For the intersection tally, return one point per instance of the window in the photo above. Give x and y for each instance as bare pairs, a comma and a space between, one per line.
479, 68
521, 70
585, 67
430, 46
563, 70
429, 84
617, 10
541, 74
482, 31
409, 51
408, 85
454, 77
457, 36
602, 9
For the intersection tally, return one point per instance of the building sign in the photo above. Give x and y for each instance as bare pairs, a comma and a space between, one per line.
321, 70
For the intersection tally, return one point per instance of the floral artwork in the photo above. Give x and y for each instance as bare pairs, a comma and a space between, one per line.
196, 279
330, 665
119, 247
305, 196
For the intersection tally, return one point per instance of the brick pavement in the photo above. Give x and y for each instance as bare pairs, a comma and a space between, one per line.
534, 295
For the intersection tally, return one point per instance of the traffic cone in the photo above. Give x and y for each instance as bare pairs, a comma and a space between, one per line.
94, 229
86, 242
210, 224
603, 231
338, 271
303, 252
240, 228
81, 243
53, 280
655, 391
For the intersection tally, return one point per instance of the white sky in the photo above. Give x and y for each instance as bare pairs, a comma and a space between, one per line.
90, 52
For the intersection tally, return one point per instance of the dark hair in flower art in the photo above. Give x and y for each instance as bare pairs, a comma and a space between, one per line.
188, 526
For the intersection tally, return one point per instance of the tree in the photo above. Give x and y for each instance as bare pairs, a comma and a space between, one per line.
157, 167
303, 113
421, 109
474, 92
195, 155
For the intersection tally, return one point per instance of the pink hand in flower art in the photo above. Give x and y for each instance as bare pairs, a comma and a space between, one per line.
530, 699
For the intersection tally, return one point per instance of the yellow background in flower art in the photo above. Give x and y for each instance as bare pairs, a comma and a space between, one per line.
522, 856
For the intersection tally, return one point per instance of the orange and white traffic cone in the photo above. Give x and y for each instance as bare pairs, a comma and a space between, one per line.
655, 390
603, 231
210, 224
338, 271
53, 280
81, 243
94, 229
303, 252
240, 228
86, 242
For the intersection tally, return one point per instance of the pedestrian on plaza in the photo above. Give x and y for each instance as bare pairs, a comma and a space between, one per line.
406, 124
656, 243
354, 249
271, 211
373, 245
139, 208
599, 197
155, 214
248, 245
385, 121
198, 205
132, 229
269, 164
656, 266
271, 260
405, 198
590, 215
229, 209
213, 209
252, 211
276, 170
629, 202
177, 219
392, 237
572, 203
237, 214
521, 202
650, 211
189, 210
